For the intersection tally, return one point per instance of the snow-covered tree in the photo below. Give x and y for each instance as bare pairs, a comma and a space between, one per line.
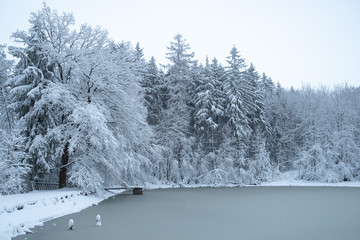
209, 107
344, 144
316, 131
139, 51
13, 166
82, 108
43, 61
344, 153
92, 147
258, 168
267, 85
5, 115
153, 84
313, 165
175, 124
237, 96
178, 82
257, 118
282, 138
129, 121
25, 91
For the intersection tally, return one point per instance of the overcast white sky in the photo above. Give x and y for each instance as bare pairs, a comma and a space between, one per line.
295, 42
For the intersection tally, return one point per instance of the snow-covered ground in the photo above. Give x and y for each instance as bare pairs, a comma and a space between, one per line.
20, 212
299, 183
290, 179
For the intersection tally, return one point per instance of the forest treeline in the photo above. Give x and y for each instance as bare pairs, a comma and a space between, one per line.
77, 108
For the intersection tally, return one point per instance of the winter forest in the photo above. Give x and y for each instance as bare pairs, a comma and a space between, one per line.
79, 109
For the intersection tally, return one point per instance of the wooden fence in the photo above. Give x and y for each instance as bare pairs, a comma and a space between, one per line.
44, 186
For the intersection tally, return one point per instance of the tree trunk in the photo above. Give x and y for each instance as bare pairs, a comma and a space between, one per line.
63, 169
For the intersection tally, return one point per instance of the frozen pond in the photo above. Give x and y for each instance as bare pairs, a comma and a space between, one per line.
217, 213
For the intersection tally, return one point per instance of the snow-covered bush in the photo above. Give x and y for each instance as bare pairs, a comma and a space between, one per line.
345, 153
13, 167
313, 165
259, 169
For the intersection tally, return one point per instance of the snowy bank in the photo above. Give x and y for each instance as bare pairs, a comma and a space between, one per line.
291, 178
302, 183
20, 212
277, 183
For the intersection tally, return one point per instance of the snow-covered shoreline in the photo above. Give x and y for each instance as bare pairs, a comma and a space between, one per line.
300, 183
279, 183
21, 212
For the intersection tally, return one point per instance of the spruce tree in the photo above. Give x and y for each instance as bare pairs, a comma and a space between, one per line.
237, 96
32, 75
152, 83
175, 124
208, 107
6, 120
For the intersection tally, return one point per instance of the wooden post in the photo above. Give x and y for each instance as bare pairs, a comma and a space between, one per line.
137, 191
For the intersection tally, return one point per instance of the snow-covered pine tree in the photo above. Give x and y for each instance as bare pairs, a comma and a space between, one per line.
282, 141
195, 80
26, 86
208, 109
175, 125
258, 163
13, 166
140, 62
257, 120
238, 105
133, 57
218, 74
256, 115
258, 167
5, 115
267, 85
178, 81
153, 84
237, 97
139, 51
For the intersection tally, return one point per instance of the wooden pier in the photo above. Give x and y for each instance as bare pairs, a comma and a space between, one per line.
137, 190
